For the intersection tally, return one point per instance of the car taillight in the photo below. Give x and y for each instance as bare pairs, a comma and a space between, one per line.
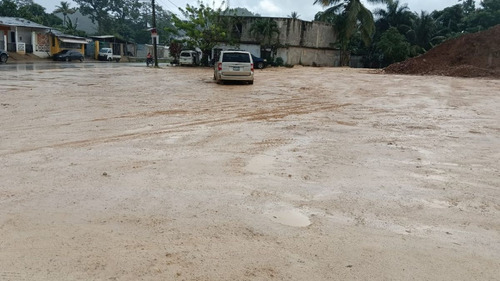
219, 66
251, 67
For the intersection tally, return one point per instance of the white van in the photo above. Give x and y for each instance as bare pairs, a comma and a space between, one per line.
189, 58
234, 66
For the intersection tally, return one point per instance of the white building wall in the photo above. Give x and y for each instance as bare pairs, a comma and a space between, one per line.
24, 36
254, 49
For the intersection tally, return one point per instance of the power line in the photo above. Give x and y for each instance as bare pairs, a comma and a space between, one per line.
173, 3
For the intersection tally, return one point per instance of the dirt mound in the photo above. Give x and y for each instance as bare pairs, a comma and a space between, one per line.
471, 55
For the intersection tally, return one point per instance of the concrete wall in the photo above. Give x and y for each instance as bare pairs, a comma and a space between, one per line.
294, 33
302, 42
24, 35
309, 56
252, 48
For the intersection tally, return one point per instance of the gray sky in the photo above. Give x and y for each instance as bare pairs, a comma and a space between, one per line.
274, 8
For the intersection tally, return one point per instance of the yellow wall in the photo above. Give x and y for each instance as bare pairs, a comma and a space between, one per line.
55, 46
96, 50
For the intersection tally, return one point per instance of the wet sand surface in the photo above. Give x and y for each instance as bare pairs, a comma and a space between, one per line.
131, 173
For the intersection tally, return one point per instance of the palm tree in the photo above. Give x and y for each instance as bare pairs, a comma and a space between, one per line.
294, 15
395, 15
65, 10
264, 30
423, 32
349, 17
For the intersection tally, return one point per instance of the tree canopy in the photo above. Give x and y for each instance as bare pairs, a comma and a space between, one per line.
203, 27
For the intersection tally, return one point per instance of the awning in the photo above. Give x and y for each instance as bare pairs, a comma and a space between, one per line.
71, 40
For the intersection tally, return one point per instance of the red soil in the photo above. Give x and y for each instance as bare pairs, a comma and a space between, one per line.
470, 55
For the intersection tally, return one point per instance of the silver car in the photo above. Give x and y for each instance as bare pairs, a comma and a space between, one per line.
3, 56
234, 66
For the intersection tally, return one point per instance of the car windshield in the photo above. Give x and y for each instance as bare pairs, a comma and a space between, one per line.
235, 57
63, 51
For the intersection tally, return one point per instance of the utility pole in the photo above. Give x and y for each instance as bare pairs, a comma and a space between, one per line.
155, 34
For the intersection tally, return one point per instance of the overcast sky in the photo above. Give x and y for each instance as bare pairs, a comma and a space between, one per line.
274, 8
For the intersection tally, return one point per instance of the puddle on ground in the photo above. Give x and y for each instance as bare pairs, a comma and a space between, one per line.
290, 217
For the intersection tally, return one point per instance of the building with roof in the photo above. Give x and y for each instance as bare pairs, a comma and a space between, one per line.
23, 36
60, 41
119, 46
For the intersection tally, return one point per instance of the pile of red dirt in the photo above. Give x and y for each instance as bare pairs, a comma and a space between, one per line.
471, 55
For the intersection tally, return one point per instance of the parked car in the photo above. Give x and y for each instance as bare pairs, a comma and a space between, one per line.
106, 54
234, 66
189, 57
68, 55
3, 56
259, 62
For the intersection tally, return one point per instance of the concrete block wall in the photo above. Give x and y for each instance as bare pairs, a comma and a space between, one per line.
303, 42
295, 33
309, 56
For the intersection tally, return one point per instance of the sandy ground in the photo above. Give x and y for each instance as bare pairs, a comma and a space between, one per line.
310, 174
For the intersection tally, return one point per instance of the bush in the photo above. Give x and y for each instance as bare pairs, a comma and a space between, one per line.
279, 61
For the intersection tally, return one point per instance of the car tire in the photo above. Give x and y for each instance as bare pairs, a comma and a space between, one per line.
250, 82
67, 59
117, 60
110, 59
81, 59
260, 65
3, 58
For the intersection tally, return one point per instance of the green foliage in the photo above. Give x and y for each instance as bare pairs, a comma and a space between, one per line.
98, 11
485, 17
204, 28
128, 19
239, 12
422, 35
72, 28
294, 15
349, 17
394, 46
29, 11
8, 8
394, 15
421, 31
264, 30
468, 6
64, 9
279, 61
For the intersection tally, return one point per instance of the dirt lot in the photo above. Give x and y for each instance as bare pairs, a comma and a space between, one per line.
310, 174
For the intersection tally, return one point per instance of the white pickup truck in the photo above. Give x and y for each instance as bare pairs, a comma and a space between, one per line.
106, 54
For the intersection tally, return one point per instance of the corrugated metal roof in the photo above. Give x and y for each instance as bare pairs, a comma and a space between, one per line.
10, 21
61, 35
77, 41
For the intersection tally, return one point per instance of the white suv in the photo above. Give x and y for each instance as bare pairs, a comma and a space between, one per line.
234, 66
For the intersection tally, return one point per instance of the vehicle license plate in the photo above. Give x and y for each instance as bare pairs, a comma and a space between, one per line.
236, 68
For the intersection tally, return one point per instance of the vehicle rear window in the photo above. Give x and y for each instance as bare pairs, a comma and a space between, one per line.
185, 54
235, 57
